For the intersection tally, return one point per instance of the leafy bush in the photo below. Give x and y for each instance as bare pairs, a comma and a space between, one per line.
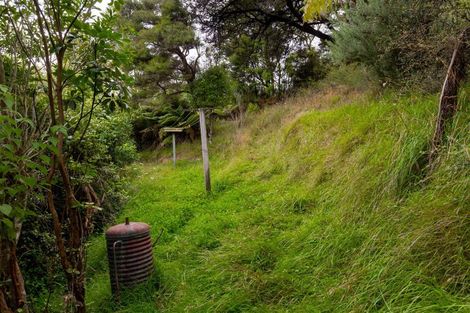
22, 170
108, 140
403, 41
96, 160
21, 166
305, 66
355, 76
99, 157
213, 89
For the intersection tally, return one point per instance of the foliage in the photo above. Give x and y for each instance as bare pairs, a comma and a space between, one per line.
163, 67
272, 65
76, 69
315, 8
353, 76
22, 166
97, 160
163, 40
100, 157
108, 141
150, 121
255, 63
336, 194
305, 66
223, 19
180, 117
257, 38
404, 42
214, 88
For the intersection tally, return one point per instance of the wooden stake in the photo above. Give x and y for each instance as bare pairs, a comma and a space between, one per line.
174, 150
448, 102
205, 151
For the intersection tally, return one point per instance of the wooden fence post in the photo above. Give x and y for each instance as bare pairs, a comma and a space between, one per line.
205, 151
448, 101
174, 149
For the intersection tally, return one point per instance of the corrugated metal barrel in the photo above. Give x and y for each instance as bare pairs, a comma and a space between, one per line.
129, 254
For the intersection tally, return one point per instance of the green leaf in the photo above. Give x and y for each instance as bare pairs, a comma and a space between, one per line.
44, 158
6, 209
59, 129
8, 227
8, 99
27, 121
29, 181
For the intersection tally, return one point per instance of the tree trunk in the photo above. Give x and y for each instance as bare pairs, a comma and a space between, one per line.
2, 72
2, 82
77, 228
448, 102
71, 250
12, 291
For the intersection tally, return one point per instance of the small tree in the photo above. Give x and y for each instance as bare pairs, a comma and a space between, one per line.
214, 90
75, 57
163, 43
166, 49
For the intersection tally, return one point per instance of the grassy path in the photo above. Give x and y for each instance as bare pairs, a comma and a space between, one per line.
195, 226
322, 212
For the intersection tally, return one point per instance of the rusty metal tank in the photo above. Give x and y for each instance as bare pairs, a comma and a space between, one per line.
129, 254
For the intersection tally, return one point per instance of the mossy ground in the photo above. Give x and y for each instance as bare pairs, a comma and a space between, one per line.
318, 206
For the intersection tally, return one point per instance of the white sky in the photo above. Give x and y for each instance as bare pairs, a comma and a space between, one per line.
103, 4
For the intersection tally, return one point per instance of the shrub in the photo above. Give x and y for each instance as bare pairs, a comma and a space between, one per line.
213, 89
96, 160
305, 66
403, 41
355, 76
100, 156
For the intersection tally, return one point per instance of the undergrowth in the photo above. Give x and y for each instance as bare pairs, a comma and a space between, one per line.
317, 207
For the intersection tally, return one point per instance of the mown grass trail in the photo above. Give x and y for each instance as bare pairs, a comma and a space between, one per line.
316, 211
195, 225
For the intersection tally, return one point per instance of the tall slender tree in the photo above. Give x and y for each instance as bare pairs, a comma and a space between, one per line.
166, 57
71, 50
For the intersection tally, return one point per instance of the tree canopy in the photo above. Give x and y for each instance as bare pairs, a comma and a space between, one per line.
214, 88
224, 18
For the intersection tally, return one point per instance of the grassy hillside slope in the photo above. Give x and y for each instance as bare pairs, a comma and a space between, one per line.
318, 206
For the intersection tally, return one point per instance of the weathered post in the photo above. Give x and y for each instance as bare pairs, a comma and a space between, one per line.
205, 151
174, 149
173, 131
448, 102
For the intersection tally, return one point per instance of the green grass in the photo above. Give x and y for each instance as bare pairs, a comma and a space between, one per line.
324, 210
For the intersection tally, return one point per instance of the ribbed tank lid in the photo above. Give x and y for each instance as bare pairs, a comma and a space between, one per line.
127, 230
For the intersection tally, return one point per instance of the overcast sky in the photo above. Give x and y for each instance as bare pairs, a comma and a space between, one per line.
103, 4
